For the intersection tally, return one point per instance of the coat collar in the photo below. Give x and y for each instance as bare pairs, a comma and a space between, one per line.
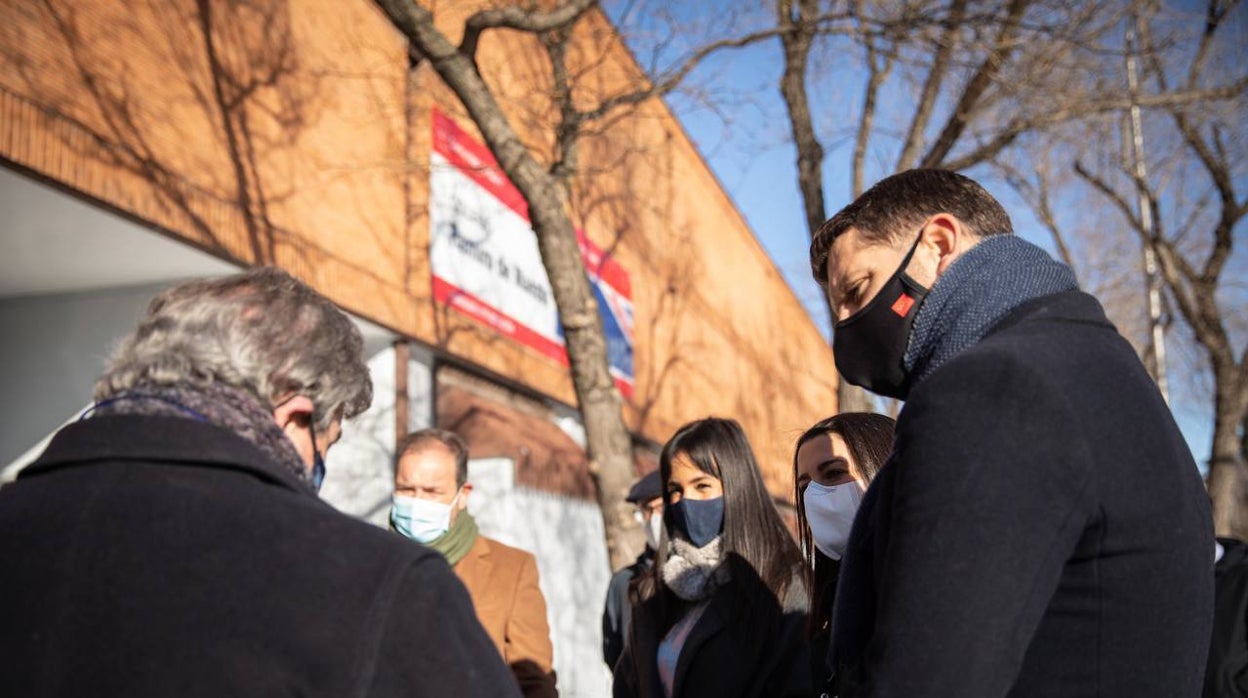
161, 439
1069, 306
709, 625
478, 554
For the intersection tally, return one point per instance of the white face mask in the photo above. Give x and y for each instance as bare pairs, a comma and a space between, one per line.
652, 528
422, 520
830, 510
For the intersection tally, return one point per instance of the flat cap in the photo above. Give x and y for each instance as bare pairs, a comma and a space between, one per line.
648, 487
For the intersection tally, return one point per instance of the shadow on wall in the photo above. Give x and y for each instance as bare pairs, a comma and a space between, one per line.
233, 103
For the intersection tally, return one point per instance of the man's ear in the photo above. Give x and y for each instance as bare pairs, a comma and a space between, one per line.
945, 236
294, 413
466, 490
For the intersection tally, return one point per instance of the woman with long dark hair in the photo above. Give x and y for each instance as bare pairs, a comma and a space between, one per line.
833, 463
722, 612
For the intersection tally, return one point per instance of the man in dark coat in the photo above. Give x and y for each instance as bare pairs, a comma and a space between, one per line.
1041, 529
647, 495
171, 543
1226, 674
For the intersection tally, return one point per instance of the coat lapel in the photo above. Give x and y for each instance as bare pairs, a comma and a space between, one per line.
711, 623
476, 567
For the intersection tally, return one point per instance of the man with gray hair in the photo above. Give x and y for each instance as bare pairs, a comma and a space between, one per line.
171, 541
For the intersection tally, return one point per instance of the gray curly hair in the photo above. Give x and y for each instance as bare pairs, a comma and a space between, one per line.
262, 331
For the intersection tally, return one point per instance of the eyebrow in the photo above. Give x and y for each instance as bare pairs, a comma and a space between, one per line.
836, 288
694, 481
834, 460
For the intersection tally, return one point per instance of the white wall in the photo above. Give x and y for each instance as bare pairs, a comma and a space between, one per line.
566, 535
54, 347
359, 472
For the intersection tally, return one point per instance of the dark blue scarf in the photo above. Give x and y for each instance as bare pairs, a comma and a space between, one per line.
979, 289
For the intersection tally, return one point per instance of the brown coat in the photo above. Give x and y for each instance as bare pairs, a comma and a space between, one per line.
502, 582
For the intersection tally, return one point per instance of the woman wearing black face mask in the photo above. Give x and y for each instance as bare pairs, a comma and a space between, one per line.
834, 462
723, 611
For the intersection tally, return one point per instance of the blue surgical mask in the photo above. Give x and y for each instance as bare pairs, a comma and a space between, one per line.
422, 520
318, 462
698, 521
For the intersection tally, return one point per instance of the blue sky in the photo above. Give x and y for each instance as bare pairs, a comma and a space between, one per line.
744, 137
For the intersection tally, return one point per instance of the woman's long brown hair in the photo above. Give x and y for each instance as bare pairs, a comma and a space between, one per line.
869, 438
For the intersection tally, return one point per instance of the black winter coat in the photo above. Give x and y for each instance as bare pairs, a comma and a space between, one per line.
1226, 674
618, 610
725, 656
159, 556
1040, 530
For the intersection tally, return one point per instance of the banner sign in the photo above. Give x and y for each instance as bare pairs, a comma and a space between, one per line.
486, 263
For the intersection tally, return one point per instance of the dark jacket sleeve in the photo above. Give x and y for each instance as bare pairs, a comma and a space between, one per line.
1226, 674
615, 616
432, 644
792, 675
792, 678
625, 683
990, 497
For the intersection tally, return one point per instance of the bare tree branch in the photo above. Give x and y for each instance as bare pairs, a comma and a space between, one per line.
797, 37
975, 88
566, 133
876, 76
1080, 109
1038, 197
931, 87
563, 15
673, 79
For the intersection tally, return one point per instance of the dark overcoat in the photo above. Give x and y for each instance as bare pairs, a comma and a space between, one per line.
1040, 530
731, 652
160, 556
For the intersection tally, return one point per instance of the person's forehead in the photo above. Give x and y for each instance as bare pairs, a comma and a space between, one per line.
846, 249
816, 449
427, 462
683, 468
823, 446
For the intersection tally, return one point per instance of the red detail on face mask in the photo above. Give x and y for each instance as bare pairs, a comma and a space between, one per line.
903, 305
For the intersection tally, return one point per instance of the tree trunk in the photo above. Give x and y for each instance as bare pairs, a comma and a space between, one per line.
1227, 481
609, 444
1226, 488
797, 41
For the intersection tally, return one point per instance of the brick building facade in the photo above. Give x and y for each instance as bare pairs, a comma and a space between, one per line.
143, 143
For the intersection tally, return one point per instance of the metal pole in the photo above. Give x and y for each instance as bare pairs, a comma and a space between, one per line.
1156, 359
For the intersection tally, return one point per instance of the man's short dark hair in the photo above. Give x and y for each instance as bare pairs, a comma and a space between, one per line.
896, 206
449, 440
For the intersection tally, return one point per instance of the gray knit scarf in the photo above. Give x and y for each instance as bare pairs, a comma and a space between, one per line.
230, 408
975, 293
693, 573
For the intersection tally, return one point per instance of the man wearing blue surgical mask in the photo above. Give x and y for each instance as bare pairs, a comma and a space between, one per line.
430, 506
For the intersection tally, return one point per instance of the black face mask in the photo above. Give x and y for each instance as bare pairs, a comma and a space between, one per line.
870, 345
